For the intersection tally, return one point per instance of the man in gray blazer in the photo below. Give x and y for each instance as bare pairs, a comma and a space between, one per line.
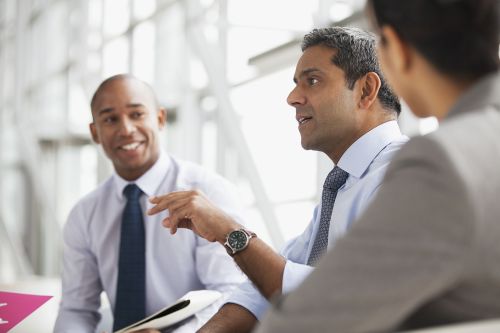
426, 251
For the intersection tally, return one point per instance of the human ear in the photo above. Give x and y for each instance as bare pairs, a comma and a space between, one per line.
93, 133
162, 117
370, 86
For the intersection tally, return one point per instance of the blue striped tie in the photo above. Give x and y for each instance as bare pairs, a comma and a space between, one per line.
130, 305
335, 179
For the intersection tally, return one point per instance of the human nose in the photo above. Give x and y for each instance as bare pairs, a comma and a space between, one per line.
295, 97
127, 127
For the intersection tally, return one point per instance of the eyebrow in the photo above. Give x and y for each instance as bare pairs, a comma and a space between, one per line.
135, 105
104, 111
305, 72
129, 105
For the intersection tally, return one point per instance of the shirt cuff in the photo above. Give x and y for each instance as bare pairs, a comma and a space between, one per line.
294, 275
250, 298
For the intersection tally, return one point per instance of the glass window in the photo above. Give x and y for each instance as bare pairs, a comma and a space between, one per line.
143, 8
35, 67
244, 43
299, 16
268, 123
115, 57
8, 76
143, 51
209, 145
79, 115
340, 9
48, 107
294, 217
171, 65
10, 143
9, 8
95, 14
116, 16
15, 199
54, 51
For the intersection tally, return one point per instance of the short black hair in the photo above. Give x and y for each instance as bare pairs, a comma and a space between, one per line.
459, 38
356, 55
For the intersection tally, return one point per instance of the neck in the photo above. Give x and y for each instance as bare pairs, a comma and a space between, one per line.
376, 117
434, 93
134, 173
443, 94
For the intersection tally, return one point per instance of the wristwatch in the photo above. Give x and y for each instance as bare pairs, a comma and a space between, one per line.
237, 240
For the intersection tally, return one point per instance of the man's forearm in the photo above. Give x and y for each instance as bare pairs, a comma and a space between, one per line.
263, 266
229, 319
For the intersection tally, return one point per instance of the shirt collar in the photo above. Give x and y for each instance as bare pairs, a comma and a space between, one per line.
484, 93
148, 182
358, 157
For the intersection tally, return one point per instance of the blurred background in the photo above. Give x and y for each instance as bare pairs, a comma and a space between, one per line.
222, 68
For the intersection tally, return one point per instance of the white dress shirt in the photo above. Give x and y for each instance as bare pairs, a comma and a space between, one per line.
175, 264
366, 161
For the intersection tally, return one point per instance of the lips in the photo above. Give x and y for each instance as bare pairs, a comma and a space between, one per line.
132, 146
303, 119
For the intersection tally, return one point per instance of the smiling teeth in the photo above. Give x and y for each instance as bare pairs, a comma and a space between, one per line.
131, 146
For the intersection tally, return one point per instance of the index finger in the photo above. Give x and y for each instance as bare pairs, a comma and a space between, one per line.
154, 199
165, 201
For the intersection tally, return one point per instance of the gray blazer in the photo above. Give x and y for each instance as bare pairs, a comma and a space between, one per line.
427, 250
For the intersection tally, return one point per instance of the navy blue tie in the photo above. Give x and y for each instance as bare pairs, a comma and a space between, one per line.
130, 305
335, 179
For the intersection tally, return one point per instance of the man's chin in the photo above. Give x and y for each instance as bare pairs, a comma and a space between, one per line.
130, 164
313, 145
306, 145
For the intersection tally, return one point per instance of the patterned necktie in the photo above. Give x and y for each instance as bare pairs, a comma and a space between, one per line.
335, 179
130, 305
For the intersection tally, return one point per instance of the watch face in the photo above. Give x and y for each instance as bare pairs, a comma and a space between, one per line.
237, 240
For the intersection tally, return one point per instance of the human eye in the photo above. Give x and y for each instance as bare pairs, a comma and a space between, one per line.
137, 114
312, 81
109, 119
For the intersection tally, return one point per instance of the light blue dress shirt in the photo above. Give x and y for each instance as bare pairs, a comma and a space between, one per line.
366, 161
175, 264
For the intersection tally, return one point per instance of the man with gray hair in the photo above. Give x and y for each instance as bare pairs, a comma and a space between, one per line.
345, 109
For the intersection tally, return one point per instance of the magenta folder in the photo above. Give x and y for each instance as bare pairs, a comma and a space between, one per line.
14, 307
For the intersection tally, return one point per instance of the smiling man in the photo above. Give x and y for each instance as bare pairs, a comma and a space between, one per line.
344, 109
111, 245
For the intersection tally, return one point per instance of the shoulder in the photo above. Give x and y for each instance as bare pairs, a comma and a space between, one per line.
474, 134
103, 190
189, 169
462, 144
371, 179
86, 206
422, 151
193, 175
426, 166
468, 146
423, 194
387, 154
